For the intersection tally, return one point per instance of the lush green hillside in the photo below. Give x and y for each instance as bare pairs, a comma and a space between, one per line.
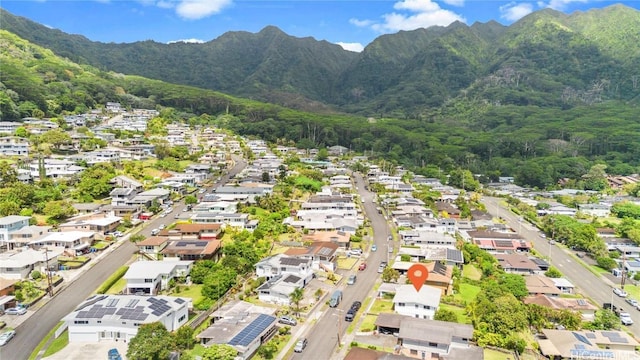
545, 59
536, 144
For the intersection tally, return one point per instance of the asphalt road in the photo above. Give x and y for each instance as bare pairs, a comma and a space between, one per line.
30, 332
323, 337
597, 288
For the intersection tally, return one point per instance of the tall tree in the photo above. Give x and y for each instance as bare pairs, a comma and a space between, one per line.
219, 352
296, 296
152, 342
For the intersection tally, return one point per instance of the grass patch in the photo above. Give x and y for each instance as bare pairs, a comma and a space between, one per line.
471, 272
467, 292
347, 263
117, 287
380, 306
460, 313
100, 245
57, 344
598, 270
368, 323
490, 354
198, 350
44, 340
194, 291
632, 290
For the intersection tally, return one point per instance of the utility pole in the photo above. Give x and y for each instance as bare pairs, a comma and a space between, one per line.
623, 276
48, 272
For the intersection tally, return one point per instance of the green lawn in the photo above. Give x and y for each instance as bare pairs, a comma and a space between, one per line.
471, 272
101, 245
490, 354
57, 344
347, 263
194, 292
460, 312
368, 323
467, 292
381, 306
118, 286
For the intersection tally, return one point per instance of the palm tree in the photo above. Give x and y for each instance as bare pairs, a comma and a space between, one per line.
295, 297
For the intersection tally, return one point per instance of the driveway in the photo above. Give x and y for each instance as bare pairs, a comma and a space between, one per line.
83, 351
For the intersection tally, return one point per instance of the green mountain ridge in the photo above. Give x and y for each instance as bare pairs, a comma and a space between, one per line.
402, 74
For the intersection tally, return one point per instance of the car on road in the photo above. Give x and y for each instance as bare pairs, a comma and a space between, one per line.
374, 247
632, 302
552, 242
15, 311
300, 345
351, 280
620, 292
288, 321
5, 337
625, 319
350, 315
362, 267
162, 226
356, 305
155, 232
382, 266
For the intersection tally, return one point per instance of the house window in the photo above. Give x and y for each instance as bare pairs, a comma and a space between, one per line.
433, 344
413, 352
148, 280
182, 318
401, 304
99, 321
81, 322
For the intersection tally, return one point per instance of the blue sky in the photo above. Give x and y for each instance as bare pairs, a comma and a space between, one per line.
352, 24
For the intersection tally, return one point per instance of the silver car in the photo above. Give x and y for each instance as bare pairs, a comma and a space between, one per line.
6, 337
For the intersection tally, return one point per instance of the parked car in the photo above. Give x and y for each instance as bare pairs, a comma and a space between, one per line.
16, 311
362, 267
350, 315
355, 252
356, 305
632, 302
300, 345
351, 280
155, 232
162, 226
5, 337
625, 319
382, 266
620, 292
552, 242
114, 354
288, 321
117, 233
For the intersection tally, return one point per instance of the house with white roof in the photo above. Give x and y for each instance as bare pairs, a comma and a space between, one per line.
278, 289
19, 264
418, 304
150, 277
118, 317
99, 224
71, 240
281, 264
14, 146
55, 168
8, 225
27, 234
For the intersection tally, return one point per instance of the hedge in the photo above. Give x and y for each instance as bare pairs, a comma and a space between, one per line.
112, 279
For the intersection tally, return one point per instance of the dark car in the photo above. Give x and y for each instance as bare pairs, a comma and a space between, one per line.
356, 305
350, 315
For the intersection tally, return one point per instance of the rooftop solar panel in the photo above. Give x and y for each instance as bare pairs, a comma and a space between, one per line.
581, 338
179, 301
247, 335
112, 302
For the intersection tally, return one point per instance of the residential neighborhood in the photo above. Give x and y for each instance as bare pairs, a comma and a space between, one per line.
245, 244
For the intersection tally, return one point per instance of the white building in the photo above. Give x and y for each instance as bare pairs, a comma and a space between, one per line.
71, 240
419, 304
14, 146
149, 277
19, 264
283, 265
8, 225
117, 317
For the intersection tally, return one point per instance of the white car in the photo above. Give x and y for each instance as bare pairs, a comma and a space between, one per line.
625, 319
6, 336
620, 292
16, 311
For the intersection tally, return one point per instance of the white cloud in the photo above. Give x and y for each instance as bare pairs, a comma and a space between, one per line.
188, 41
360, 23
411, 15
355, 47
515, 11
561, 4
454, 2
198, 9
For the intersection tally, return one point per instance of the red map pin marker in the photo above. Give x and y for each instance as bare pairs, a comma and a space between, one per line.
417, 274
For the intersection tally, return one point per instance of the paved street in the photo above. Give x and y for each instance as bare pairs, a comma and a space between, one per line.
598, 288
33, 329
323, 337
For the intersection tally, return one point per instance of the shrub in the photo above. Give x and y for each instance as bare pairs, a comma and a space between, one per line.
35, 275
112, 279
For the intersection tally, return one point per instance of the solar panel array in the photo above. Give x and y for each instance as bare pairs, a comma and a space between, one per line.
159, 306
591, 335
112, 303
96, 312
91, 301
253, 330
179, 301
503, 243
292, 279
136, 313
581, 338
615, 337
581, 302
